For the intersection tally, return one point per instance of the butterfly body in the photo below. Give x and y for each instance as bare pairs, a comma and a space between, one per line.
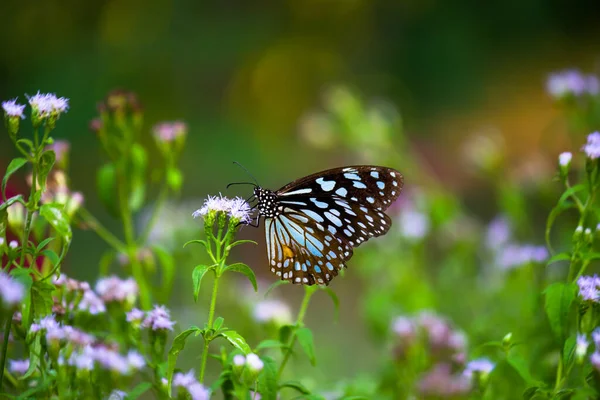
313, 223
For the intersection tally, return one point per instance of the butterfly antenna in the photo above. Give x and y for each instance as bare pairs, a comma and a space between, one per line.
248, 172
241, 183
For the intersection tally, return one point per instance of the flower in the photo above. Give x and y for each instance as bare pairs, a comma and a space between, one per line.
403, 327
254, 363
117, 395
11, 290
47, 322
239, 360
169, 131
47, 104
274, 311
135, 315
588, 287
19, 366
515, 255
581, 346
595, 360
84, 359
115, 289
498, 233
92, 303
12, 109
440, 382
188, 382
13, 244
159, 318
236, 208
482, 366
571, 82
592, 147
413, 224
135, 360
564, 159
61, 150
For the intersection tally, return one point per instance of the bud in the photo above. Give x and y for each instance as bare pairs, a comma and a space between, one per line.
578, 233
587, 235
507, 341
564, 162
581, 347
253, 367
13, 113
238, 364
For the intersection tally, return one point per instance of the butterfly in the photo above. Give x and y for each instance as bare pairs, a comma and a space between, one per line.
313, 224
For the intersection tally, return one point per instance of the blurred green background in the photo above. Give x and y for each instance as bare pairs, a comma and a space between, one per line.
242, 75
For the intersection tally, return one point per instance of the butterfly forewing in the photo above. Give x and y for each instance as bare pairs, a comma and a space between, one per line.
313, 223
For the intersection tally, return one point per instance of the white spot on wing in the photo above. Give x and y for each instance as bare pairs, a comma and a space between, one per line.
299, 191
326, 185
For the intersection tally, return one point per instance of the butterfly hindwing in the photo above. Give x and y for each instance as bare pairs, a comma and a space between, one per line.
313, 223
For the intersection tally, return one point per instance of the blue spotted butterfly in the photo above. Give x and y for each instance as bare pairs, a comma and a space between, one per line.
313, 223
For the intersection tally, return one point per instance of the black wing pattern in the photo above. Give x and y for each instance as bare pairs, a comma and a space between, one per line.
313, 223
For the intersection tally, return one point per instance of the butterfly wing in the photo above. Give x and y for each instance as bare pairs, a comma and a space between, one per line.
324, 215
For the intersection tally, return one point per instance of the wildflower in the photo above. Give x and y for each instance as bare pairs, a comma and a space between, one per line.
403, 327
581, 346
12, 109
413, 224
92, 303
498, 232
117, 395
274, 311
239, 360
236, 208
13, 244
111, 360
46, 323
11, 290
596, 338
515, 255
169, 131
45, 105
441, 382
83, 359
61, 151
115, 289
135, 360
595, 360
254, 363
571, 82
135, 315
240, 210
564, 159
188, 382
481, 366
588, 287
19, 366
158, 319
592, 147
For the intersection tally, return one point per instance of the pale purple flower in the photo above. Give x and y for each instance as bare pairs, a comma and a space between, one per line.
157, 319
47, 322
198, 392
92, 303
413, 224
588, 287
498, 233
2, 241
19, 366
77, 336
111, 360
60, 148
571, 82
441, 382
254, 363
236, 208
12, 109
84, 359
135, 315
239, 360
115, 289
240, 210
592, 147
191, 385
516, 255
55, 334
11, 290
169, 131
272, 311
596, 338
482, 366
136, 360
595, 360
184, 380
46, 104
564, 159
581, 345
117, 395
403, 327
13, 244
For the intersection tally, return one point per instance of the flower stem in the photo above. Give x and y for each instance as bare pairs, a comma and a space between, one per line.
211, 316
31, 207
5, 348
309, 290
101, 231
158, 205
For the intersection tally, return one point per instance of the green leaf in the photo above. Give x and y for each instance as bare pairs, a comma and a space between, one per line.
305, 337
559, 298
106, 260
24, 276
52, 256
269, 344
590, 256
176, 347
139, 390
137, 175
246, 270
237, 341
11, 201
45, 165
267, 380
202, 242
13, 167
520, 365
35, 351
43, 244
238, 242
556, 211
106, 181
336, 301
569, 351
285, 332
570, 192
218, 323
197, 275
41, 297
167, 263
295, 385
564, 256
55, 215
174, 179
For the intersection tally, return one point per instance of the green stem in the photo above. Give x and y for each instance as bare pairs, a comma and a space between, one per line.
101, 231
559, 375
5, 348
309, 290
211, 316
31, 207
158, 205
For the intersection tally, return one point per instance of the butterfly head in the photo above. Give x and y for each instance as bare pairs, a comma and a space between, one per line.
267, 202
